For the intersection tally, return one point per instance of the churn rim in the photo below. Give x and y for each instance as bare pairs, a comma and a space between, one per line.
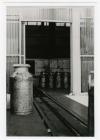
21, 65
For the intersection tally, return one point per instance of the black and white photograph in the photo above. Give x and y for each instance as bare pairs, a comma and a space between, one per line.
50, 71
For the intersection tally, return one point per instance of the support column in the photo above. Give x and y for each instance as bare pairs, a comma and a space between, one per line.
75, 53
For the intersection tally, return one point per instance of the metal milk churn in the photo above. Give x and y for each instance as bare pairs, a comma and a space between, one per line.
43, 80
58, 80
22, 93
51, 80
66, 80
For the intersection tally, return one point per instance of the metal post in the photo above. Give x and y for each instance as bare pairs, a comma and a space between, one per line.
91, 104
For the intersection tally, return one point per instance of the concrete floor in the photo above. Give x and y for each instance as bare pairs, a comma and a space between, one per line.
28, 125
32, 125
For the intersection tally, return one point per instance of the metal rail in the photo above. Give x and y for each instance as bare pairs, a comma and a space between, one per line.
62, 119
49, 126
46, 122
58, 113
64, 108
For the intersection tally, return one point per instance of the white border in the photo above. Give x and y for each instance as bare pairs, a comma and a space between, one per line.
3, 5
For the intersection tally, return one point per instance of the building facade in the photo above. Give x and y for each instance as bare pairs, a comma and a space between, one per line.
79, 22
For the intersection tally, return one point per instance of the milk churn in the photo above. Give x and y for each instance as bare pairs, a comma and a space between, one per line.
51, 80
43, 80
22, 93
58, 80
66, 80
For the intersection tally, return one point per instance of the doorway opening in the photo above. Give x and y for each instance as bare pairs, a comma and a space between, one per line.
48, 52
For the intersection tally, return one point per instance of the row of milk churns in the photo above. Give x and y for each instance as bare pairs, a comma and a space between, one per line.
55, 80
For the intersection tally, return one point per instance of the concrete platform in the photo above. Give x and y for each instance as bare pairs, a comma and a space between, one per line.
81, 98
72, 105
29, 125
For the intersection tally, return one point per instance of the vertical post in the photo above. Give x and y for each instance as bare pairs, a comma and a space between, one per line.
24, 45
91, 104
75, 53
20, 41
23, 40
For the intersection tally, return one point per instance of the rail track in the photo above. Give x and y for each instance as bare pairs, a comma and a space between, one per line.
58, 120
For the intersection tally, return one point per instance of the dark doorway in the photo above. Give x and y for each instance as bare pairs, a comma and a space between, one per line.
47, 41
48, 49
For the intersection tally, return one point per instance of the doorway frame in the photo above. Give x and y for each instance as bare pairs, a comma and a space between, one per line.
75, 82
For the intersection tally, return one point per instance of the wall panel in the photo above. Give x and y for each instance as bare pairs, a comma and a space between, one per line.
12, 50
87, 65
41, 13
87, 50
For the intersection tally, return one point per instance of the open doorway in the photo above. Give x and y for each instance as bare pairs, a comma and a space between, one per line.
48, 53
